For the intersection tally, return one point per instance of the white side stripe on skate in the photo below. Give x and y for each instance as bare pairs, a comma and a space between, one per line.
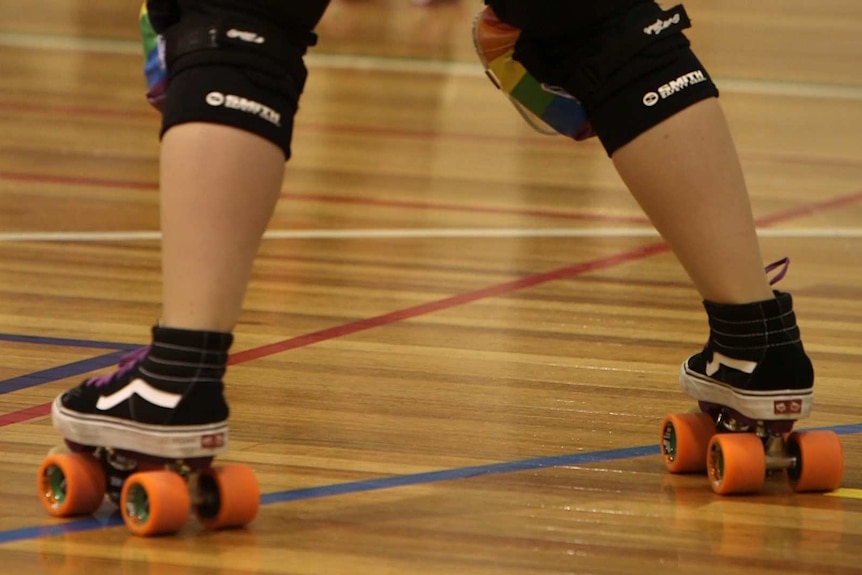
143, 390
738, 364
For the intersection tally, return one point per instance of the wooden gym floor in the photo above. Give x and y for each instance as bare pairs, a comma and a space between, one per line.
461, 336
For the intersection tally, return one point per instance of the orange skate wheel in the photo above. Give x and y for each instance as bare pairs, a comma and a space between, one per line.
155, 502
736, 463
71, 484
819, 460
229, 496
684, 441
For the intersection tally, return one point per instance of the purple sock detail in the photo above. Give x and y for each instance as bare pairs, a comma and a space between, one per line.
127, 364
783, 263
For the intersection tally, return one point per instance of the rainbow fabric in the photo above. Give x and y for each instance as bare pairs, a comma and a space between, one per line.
547, 109
154, 65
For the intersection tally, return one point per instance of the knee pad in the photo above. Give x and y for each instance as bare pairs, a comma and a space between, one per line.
548, 109
247, 75
230, 95
630, 71
155, 68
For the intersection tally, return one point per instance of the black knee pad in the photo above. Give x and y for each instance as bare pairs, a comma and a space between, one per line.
243, 74
631, 71
232, 96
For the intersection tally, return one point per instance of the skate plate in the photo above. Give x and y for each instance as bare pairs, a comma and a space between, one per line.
738, 453
154, 494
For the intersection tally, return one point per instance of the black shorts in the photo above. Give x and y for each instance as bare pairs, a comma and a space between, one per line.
288, 14
550, 18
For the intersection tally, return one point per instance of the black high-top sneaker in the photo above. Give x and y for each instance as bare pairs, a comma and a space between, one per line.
166, 400
754, 362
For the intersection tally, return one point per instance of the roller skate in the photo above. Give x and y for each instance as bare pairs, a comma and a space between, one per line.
753, 381
146, 436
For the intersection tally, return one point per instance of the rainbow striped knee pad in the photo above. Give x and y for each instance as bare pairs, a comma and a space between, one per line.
548, 109
155, 70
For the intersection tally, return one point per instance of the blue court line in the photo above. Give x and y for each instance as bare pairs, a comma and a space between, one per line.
113, 520
61, 372
79, 525
453, 474
92, 523
66, 342
848, 429
68, 370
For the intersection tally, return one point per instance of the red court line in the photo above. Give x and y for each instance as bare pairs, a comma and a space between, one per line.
134, 113
468, 297
809, 210
399, 315
76, 181
463, 208
522, 283
456, 300
19, 106
25, 414
112, 183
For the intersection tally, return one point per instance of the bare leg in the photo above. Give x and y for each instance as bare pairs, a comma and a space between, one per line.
219, 188
685, 173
